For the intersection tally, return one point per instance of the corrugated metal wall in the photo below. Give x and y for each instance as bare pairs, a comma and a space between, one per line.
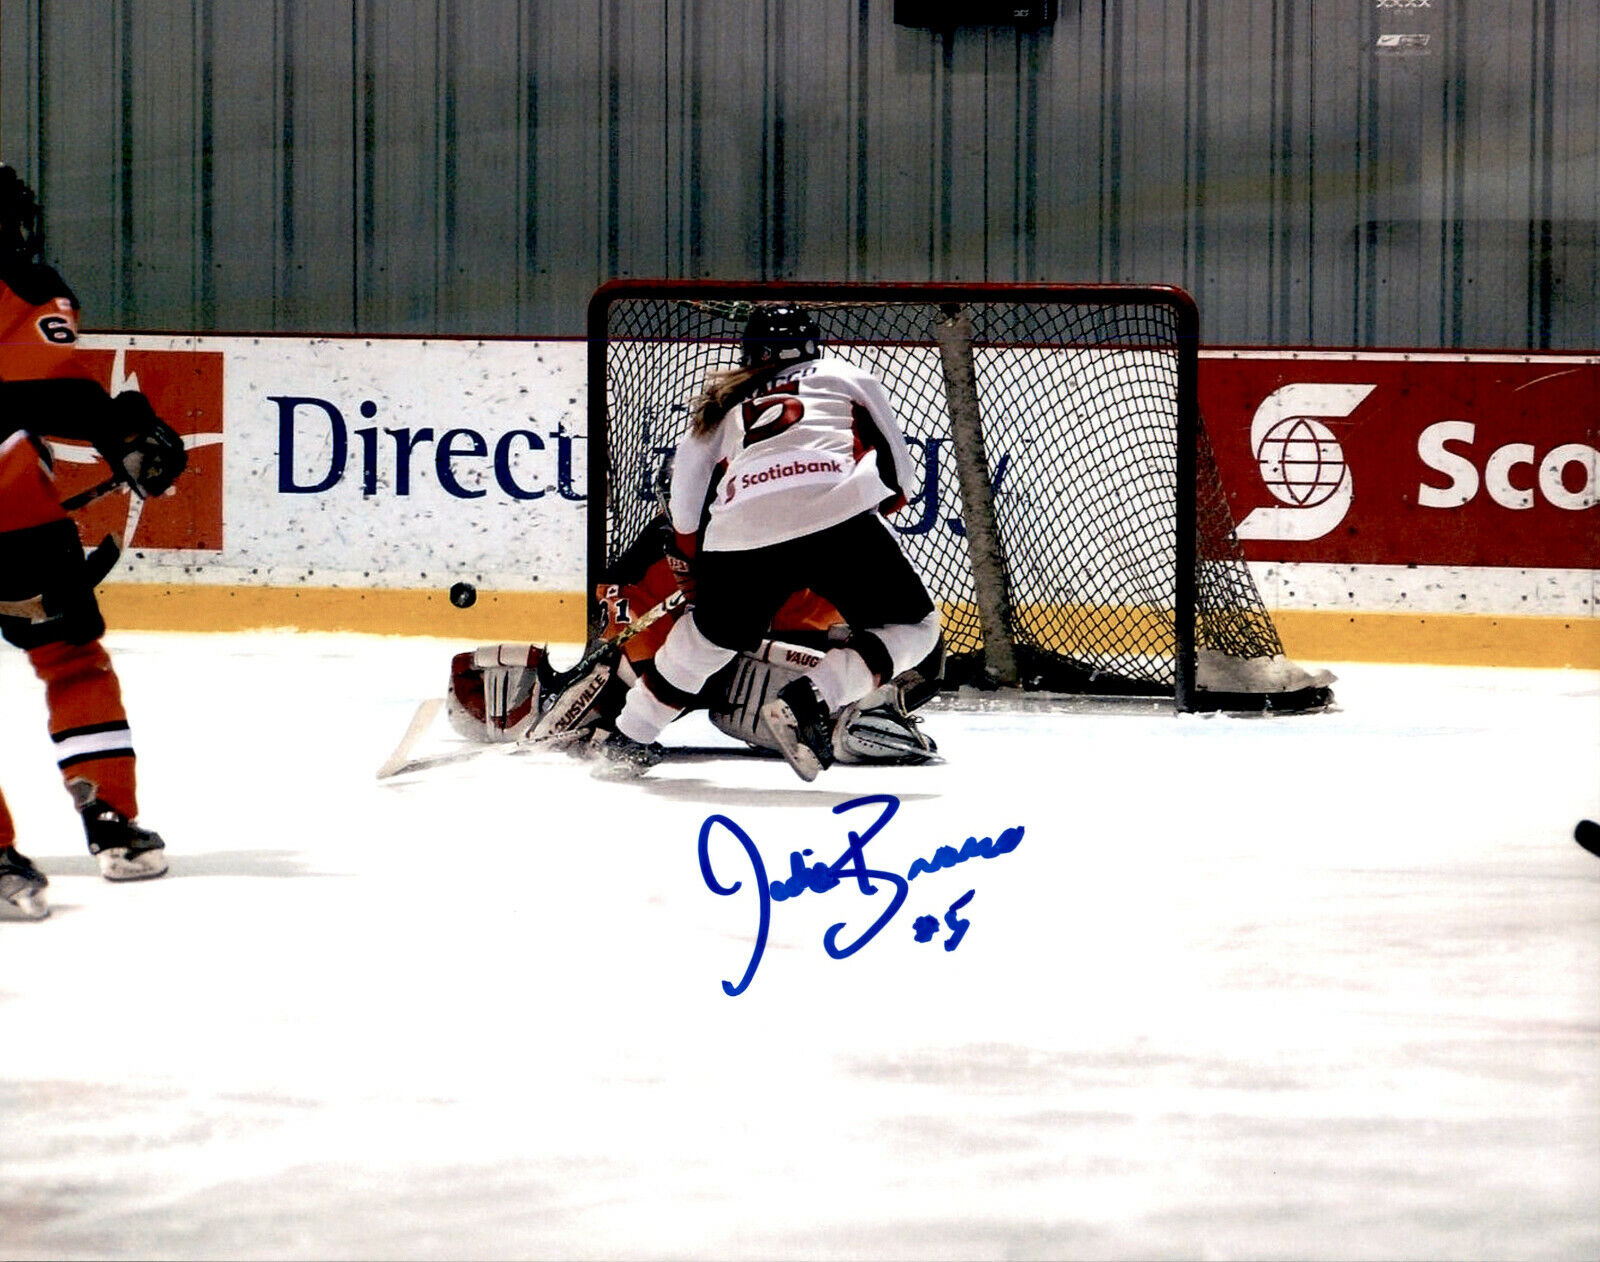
1317, 172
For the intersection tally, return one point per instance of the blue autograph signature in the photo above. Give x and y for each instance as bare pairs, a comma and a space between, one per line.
820, 877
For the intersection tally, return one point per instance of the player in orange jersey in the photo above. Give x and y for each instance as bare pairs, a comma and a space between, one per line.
47, 601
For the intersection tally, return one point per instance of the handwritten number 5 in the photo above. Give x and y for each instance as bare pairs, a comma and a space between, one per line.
958, 926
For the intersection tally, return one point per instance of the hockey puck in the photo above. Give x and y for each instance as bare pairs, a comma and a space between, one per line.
463, 595
1587, 835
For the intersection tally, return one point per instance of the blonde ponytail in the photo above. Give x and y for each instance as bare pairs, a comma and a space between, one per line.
724, 390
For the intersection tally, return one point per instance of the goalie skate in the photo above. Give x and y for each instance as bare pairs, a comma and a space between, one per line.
22, 885
881, 733
619, 757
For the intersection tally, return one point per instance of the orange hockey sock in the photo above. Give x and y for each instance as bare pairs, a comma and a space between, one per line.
94, 747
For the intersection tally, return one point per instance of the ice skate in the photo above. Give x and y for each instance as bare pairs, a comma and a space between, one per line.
126, 851
883, 733
619, 757
797, 721
22, 885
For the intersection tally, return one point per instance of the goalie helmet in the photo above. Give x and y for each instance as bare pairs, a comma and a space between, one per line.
779, 334
21, 221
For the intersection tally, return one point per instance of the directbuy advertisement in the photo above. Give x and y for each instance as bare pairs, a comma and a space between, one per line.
1409, 459
401, 463
353, 462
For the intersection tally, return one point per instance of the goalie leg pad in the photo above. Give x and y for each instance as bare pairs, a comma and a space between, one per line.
877, 728
495, 691
755, 679
590, 700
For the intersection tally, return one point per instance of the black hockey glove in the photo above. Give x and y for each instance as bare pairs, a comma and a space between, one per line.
148, 451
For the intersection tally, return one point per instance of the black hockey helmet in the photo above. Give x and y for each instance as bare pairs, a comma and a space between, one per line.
779, 334
21, 221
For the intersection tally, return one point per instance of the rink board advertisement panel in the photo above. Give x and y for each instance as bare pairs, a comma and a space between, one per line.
185, 389
328, 473
366, 463
1409, 459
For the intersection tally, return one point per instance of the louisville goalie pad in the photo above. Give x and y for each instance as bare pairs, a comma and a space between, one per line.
588, 699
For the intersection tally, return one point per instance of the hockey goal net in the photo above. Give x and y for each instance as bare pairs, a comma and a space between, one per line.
1069, 520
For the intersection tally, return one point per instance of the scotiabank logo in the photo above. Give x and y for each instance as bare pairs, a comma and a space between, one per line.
934, 508
1515, 475
185, 389
1302, 462
1460, 460
789, 473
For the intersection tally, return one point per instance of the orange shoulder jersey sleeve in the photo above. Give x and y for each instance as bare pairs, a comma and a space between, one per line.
37, 339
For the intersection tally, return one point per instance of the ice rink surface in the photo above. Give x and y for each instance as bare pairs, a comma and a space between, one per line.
1303, 987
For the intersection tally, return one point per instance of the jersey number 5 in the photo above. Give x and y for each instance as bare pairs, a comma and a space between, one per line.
771, 414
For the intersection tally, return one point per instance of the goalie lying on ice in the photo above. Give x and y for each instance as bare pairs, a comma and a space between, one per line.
510, 692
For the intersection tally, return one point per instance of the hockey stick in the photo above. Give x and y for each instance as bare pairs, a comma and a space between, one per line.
101, 489
421, 721
605, 648
428, 710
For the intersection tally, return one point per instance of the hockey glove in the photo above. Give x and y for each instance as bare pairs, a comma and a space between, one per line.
680, 560
147, 450
497, 690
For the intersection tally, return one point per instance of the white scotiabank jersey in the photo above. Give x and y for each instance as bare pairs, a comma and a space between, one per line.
815, 446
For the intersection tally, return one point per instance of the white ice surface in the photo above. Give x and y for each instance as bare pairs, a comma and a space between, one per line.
1322, 986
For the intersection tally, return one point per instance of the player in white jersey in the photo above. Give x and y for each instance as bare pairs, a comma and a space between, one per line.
780, 485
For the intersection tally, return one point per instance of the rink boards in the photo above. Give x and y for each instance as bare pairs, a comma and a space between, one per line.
344, 484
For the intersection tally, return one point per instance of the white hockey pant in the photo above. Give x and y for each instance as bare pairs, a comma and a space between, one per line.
843, 676
684, 662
